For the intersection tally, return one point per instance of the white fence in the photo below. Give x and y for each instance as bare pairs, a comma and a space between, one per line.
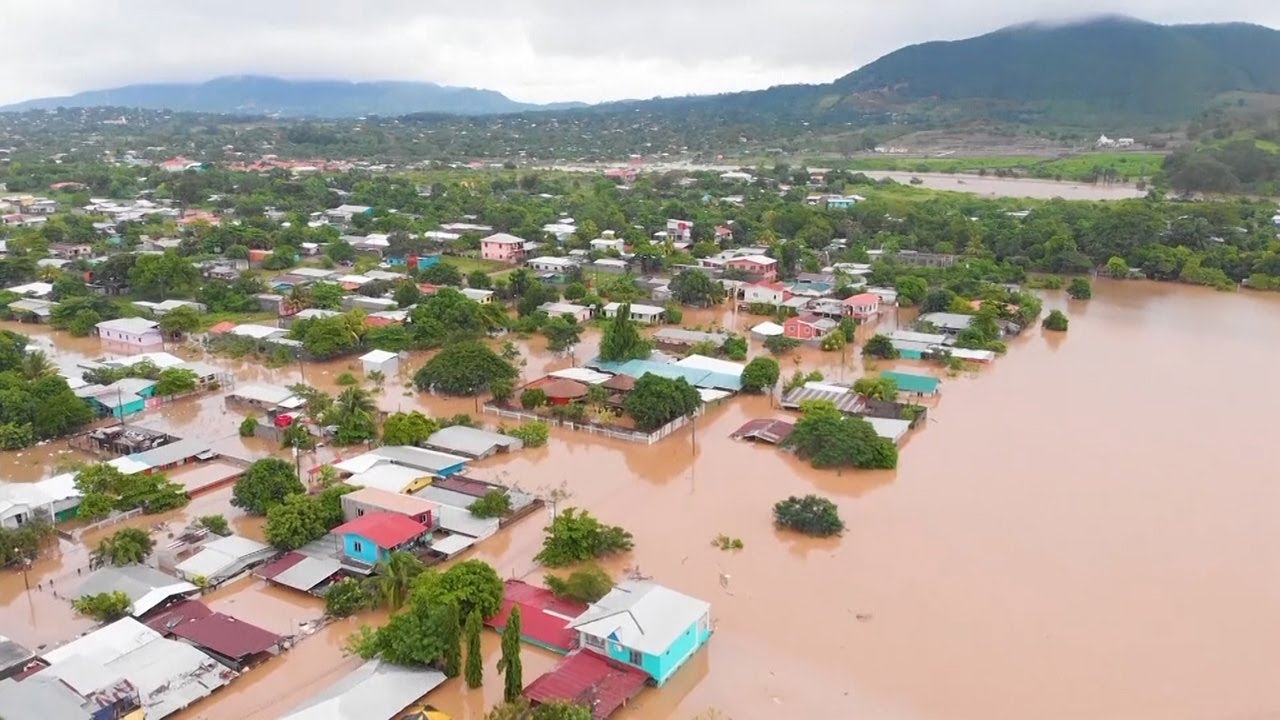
634, 436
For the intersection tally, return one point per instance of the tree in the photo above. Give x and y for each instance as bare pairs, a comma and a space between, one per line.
474, 672
294, 521
129, 546
104, 607
835, 340
472, 585
1117, 267
36, 365
479, 280
394, 577
157, 277
562, 334
83, 322
297, 436
621, 340
452, 641
340, 251
215, 524
248, 427
180, 321
509, 665
880, 346
877, 388
911, 290
735, 348
586, 585
353, 413
759, 374
1056, 320
533, 434
694, 287
174, 381
811, 515
577, 536
502, 390
464, 368
411, 428
938, 300
327, 296
780, 344
345, 597
826, 438
406, 294
493, 504
267, 482
533, 398
442, 274
656, 401
1080, 289
105, 489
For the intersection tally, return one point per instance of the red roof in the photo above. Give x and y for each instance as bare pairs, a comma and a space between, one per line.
544, 618
387, 530
178, 613
223, 327
589, 679
284, 562
227, 636
862, 299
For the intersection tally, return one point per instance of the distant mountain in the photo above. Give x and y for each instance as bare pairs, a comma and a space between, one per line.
1109, 67
250, 94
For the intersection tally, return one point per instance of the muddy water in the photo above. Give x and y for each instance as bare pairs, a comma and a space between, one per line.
1013, 187
1083, 530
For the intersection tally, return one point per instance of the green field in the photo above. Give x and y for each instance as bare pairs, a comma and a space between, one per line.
468, 265
1083, 166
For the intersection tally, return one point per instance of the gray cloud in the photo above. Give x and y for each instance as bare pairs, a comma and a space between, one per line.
536, 50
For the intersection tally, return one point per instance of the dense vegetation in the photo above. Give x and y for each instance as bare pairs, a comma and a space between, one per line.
577, 536
35, 402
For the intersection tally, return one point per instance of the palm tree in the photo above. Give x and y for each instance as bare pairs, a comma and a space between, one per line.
355, 400
393, 577
298, 299
36, 365
378, 378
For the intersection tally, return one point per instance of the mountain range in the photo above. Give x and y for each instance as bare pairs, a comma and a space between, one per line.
1111, 67
261, 95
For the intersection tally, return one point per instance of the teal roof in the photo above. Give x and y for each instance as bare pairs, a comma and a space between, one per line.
909, 383
695, 376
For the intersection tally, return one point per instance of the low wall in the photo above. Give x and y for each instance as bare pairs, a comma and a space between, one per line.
634, 436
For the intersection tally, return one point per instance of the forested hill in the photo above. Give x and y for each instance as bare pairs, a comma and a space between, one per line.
258, 95
1098, 71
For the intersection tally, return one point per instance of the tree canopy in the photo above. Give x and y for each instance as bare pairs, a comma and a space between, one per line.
827, 438
266, 483
621, 339
760, 374
464, 368
656, 401
576, 536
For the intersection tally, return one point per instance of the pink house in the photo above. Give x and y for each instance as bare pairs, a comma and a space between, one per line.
503, 248
808, 327
863, 306
133, 332
761, 266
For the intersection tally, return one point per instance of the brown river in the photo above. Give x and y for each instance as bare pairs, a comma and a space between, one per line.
1084, 530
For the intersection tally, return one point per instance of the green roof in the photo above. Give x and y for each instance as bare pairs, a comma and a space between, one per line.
908, 383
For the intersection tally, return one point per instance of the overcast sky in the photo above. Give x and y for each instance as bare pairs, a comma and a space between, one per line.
532, 50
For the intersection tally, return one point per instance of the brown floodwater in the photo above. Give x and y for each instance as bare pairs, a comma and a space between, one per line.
1084, 529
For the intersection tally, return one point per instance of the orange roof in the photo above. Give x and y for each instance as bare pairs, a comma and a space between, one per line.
862, 299
221, 328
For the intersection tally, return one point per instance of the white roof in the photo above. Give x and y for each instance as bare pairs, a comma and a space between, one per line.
552, 260
221, 556
107, 643
21, 496
768, 329
707, 395
503, 239
374, 691
967, 354
452, 544
889, 428
129, 325
262, 393
161, 360
460, 521
477, 294
378, 356
642, 615
311, 272
636, 308
702, 362
354, 279
758, 259
582, 375
909, 336
59, 487
385, 476
128, 465
258, 332
32, 288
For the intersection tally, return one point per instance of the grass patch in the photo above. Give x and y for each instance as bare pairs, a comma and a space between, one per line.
468, 265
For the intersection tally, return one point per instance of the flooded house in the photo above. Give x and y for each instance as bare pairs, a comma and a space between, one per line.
681, 340
913, 384
230, 641
376, 690
223, 559
32, 310
544, 618
166, 675
399, 468
134, 332
579, 313
304, 573
646, 625
643, 314
126, 396
808, 328
146, 587
947, 323
14, 658
371, 537
471, 442
369, 500
381, 361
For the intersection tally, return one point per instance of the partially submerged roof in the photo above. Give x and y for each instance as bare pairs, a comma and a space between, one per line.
13, 655
268, 394
544, 618
585, 674
909, 383
387, 530
562, 389
695, 376
385, 476
845, 401
768, 430
226, 635
298, 571
145, 586
889, 428
223, 556
404, 455
375, 691
40, 698
680, 336
710, 364
472, 442
579, 374
642, 615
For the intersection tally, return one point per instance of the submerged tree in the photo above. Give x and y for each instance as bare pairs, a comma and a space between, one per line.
509, 665
474, 672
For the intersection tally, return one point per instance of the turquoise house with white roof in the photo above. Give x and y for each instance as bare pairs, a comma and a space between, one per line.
646, 625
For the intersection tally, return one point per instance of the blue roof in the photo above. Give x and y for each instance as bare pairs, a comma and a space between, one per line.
695, 376
908, 382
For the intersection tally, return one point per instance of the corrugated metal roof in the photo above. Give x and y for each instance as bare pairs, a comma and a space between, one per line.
226, 635
642, 615
694, 376
585, 675
375, 691
39, 698
845, 402
472, 442
145, 586
910, 383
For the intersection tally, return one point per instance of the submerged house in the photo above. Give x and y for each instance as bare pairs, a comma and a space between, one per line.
646, 625
371, 537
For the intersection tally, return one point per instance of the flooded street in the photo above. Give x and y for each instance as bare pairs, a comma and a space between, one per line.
1084, 530
1013, 187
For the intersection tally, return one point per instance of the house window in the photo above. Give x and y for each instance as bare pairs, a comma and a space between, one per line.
356, 546
595, 642
359, 513
635, 657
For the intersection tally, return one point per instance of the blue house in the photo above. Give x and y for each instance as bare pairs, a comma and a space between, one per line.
121, 398
646, 625
372, 536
